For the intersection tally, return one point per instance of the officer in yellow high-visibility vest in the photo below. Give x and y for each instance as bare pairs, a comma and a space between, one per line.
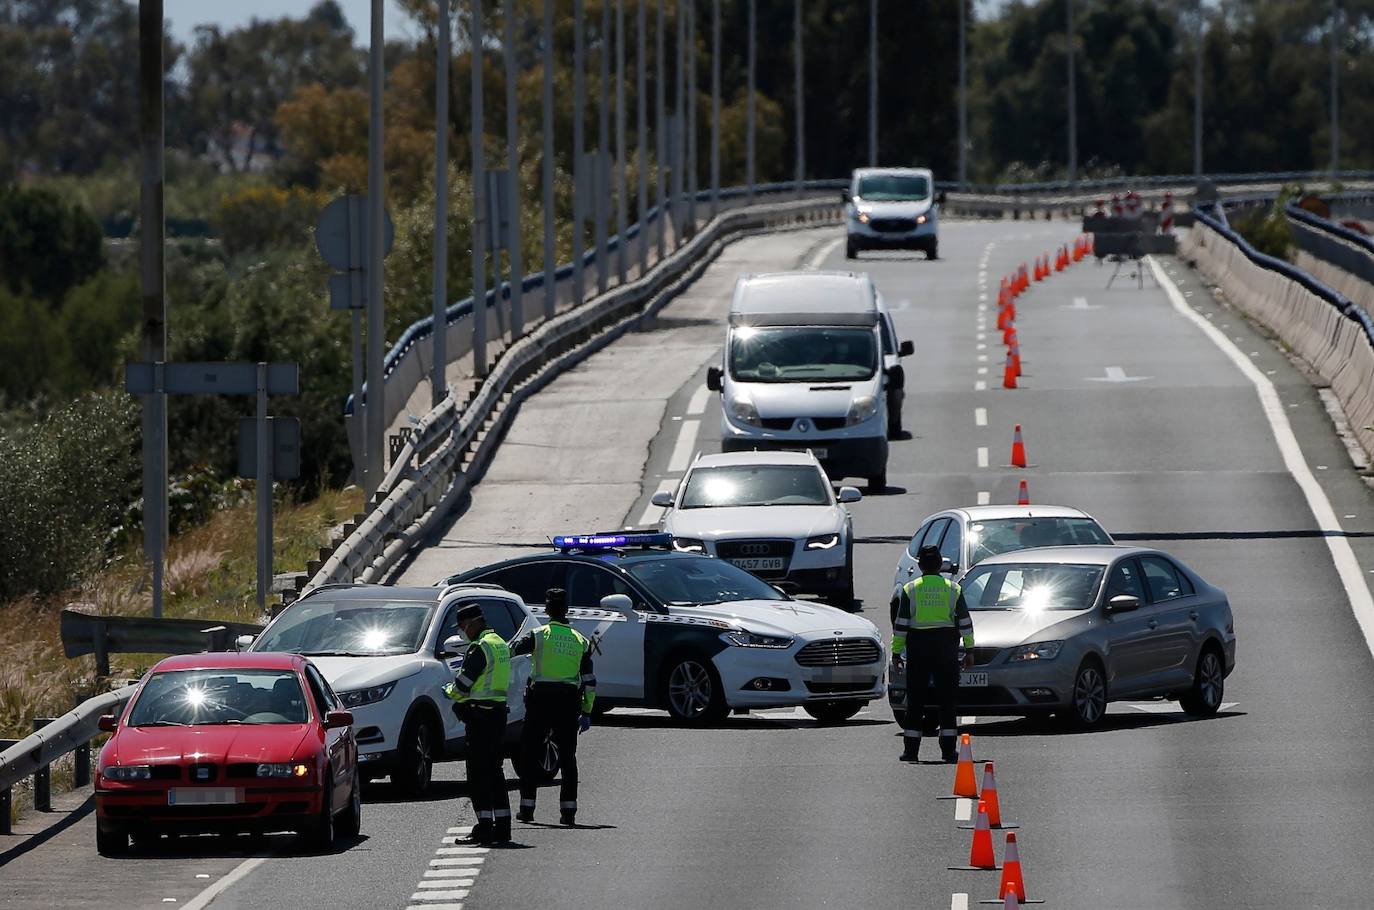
480, 695
932, 623
559, 700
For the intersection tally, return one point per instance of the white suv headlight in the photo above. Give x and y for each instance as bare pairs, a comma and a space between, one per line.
861, 409
359, 697
743, 410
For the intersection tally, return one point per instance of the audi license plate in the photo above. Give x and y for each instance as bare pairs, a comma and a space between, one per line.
761, 563
204, 796
973, 679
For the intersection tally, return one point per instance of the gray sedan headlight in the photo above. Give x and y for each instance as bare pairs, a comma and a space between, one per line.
744, 639
359, 697
1041, 650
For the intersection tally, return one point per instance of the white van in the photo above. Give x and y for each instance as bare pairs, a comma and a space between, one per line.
887, 208
805, 369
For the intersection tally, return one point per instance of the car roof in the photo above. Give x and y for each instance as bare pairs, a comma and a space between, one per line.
804, 298
722, 459
901, 171
1081, 555
371, 592
991, 512
231, 660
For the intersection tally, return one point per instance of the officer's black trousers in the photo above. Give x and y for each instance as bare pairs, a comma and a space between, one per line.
486, 757
932, 678
550, 708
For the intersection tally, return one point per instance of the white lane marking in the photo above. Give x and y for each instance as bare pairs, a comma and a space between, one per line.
653, 513
698, 403
980, 386
204, 898
450, 895
820, 255
980, 417
1347, 567
982, 456
1115, 374
981, 336
453, 905
958, 901
980, 347
450, 877
984, 497
963, 809
683, 448
1080, 303
460, 851
458, 861
441, 883
982, 371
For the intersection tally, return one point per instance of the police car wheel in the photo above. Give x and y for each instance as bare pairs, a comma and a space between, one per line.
692, 691
546, 762
833, 712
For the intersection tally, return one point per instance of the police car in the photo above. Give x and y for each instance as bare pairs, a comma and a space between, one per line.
388, 652
696, 635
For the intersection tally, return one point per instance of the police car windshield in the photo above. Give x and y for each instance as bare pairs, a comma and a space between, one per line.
699, 580
1003, 535
348, 628
755, 485
802, 354
1031, 587
192, 698
892, 188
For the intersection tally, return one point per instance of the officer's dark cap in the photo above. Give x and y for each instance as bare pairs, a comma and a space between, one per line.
470, 611
928, 552
555, 598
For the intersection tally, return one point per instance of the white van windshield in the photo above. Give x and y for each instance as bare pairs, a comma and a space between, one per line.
802, 354
892, 188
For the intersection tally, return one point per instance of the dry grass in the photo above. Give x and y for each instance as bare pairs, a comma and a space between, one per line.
210, 575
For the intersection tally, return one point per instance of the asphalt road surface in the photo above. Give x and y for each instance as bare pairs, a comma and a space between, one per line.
1130, 411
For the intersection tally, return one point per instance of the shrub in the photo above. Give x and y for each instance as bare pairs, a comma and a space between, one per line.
46, 246
261, 217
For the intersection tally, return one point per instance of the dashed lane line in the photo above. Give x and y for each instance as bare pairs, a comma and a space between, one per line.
823, 253
698, 403
980, 417
982, 456
980, 386
204, 898
684, 447
653, 513
963, 809
958, 901
984, 497
451, 874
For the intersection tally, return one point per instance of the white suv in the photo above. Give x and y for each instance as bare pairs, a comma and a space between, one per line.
770, 513
388, 652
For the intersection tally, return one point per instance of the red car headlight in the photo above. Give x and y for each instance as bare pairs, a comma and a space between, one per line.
296, 770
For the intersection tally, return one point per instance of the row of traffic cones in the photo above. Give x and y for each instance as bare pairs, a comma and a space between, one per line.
1012, 888
1017, 283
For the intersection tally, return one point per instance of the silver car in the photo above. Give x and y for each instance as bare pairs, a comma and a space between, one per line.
1065, 630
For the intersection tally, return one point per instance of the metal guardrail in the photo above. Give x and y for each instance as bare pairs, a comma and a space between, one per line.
1333, 242
86, 633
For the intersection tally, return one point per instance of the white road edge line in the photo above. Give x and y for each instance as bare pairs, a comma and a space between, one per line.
980, 417
958, 901
820, 255
963, 809
204, 898
698, 403
982, 456
1347, 567
682, 449
984, 497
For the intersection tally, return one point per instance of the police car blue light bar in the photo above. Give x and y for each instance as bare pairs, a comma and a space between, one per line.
610, 541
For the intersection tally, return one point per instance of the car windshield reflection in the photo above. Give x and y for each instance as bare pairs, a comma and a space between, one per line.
184, 698
355, 628
700, 580
1031, 587
1005, 535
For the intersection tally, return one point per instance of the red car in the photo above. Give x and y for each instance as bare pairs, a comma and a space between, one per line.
228, 742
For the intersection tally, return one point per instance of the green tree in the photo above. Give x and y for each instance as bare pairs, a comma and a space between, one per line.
46, 246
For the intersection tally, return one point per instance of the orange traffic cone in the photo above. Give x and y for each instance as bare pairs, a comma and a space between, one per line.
1009, 374
1008, 333
1011, 872
1023, 495
988, 798
1015, 352
1018, 449
1011, 903
980, 855
964, 784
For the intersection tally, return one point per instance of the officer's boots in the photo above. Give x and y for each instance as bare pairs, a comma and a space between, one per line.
501, 831
526, 813
481, 833
911, 745
949, 749
568, 817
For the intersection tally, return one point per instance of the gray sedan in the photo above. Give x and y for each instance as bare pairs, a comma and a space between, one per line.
1065, 630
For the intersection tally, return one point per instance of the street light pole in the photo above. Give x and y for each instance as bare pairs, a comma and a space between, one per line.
439, 330
1073, 103
1197, 96
800, 89
660, 139
963, 94
692, 117
601, 202
1335, 87
578, 164
376, 207
715, 107
680, 123
749, 107
513, 250
621, 187
641, 135
479, 202
550, 253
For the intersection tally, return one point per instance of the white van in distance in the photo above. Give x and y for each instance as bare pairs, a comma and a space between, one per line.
804, 369
887, 208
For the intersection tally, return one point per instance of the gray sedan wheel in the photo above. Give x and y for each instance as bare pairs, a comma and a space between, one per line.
1209, 685
1089, 696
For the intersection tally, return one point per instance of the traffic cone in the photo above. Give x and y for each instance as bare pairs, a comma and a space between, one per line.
988, 797
1009, 374
1023, 495
1014, 350
1012, 881
1003, 319
1011, 903
1018, 449
964, 783
981, 855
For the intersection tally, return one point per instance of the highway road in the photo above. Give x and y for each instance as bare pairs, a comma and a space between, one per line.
1132, 411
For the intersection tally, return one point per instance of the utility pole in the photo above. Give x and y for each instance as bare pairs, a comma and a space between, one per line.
660, 143
692, 117
152, 274
1335, 87
622, 214
1197, 95
680, 123
375, 411
715, 107
579, 113
963, 94
641, 136
479, 201
872, 83
1073, 103
601, 203
550, 254
438, 371
749, 106
517, 264
800, 89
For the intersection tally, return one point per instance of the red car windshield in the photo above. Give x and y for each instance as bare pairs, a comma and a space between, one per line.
185, 698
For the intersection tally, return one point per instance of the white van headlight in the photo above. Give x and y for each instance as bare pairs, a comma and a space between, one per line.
862, 217
861, 409
743, 410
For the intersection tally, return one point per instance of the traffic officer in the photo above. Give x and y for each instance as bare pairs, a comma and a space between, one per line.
932, 618
480, 695
559, 699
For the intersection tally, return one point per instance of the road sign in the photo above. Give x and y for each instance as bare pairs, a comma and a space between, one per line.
286, 447
341, 234
211, 378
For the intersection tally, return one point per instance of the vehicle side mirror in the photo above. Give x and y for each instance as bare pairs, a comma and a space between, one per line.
850, 494
714, 378
452, 646
618, 603
663, 499
948, 567
1123, 603
786, 588
906, 349
243, 642
896, 377
335, 719
844, 197
107, 723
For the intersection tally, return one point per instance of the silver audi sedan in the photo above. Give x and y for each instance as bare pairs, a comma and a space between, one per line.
1065, 630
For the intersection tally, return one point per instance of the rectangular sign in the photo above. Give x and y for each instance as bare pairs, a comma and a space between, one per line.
286, 447
211, 378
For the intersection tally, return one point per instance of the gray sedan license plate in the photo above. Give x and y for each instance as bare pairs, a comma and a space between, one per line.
973, 679
761, 563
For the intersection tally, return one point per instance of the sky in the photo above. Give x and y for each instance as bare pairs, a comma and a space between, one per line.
185, 15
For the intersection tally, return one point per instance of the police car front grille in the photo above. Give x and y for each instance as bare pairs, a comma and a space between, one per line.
841, 652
